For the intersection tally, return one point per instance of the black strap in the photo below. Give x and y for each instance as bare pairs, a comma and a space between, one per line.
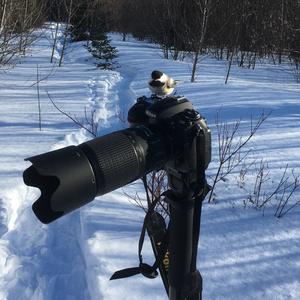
144, 179
145, 269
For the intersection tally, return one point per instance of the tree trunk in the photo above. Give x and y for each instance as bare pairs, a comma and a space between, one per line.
66, 33
54, 42
229, 66
281, 33
195, 65
22, 43
202, 36
3, 17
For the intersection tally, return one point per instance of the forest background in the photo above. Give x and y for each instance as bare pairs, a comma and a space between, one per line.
242, 31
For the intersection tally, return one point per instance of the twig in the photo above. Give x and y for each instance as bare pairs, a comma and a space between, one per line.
70, 117
45, 77
38, 95
230, 151
280, 212
136, 200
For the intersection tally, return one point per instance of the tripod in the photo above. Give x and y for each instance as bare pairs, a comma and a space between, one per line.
188, 188
178, 244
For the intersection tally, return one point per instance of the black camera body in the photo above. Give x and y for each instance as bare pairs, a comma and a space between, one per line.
182, 127
164, 134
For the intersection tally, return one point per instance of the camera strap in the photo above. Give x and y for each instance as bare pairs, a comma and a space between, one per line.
143, 268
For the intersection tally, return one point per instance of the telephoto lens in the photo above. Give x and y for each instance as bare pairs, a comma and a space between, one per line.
69, 178
162, 136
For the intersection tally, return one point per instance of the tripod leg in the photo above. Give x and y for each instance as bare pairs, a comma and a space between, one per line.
181, 239
197, 295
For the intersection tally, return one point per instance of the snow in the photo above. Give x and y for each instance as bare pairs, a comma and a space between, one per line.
244, 253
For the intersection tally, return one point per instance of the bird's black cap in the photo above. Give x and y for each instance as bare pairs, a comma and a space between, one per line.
156, 74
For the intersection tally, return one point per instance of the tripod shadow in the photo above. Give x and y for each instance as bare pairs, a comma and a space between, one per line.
111, 226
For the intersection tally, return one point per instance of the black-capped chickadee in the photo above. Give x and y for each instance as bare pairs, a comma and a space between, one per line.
161, 84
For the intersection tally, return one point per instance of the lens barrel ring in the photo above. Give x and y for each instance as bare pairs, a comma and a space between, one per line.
114, 161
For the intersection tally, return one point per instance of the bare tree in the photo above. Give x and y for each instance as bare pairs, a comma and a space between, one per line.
267, 190
70, 10
230, 147
205, 8
56, 15
3, 15
17, 22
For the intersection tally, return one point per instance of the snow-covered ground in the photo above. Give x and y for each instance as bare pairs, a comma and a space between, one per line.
242, 254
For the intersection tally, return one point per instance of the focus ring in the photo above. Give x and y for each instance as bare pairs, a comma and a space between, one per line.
114, 160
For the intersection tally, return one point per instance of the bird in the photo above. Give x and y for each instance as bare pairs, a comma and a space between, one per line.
161, 84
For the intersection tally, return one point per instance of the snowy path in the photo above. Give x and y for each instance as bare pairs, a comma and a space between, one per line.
37, 261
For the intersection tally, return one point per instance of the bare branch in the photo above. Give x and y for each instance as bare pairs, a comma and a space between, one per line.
73, 119
230, 147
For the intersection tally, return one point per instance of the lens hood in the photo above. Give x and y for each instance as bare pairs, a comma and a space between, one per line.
65, 179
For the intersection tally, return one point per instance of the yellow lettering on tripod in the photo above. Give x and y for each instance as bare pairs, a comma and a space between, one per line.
166, 260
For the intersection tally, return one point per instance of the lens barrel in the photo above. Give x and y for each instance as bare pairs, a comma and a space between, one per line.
73, 176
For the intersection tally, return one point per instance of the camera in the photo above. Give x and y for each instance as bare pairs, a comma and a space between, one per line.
164, 134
